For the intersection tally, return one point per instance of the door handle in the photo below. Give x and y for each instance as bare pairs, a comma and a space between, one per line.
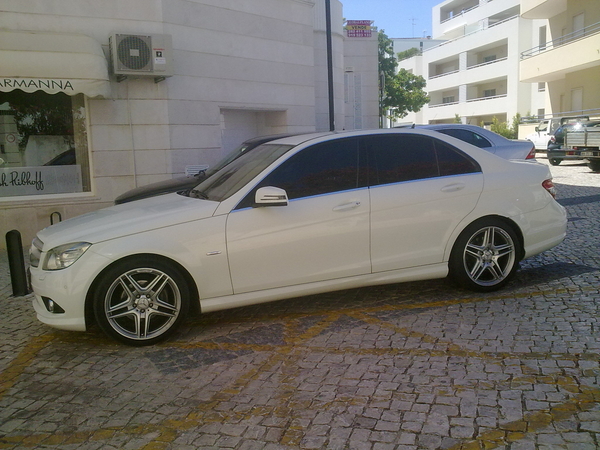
453, 187
347, 206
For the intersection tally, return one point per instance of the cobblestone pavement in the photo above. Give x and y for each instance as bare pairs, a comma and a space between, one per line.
410, 366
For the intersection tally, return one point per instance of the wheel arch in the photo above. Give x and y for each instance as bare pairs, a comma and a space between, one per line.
195, 296
509, 222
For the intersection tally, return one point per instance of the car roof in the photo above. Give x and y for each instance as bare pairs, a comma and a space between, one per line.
437, 126
321, 136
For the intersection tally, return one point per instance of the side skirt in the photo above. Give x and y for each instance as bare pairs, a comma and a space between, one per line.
252, 298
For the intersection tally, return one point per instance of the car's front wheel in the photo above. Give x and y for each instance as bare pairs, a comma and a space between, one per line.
485, 256
555, 161
141, 301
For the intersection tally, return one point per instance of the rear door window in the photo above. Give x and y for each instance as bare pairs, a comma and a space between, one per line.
406, 157
399, 158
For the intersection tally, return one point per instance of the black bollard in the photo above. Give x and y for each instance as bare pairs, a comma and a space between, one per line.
16, 263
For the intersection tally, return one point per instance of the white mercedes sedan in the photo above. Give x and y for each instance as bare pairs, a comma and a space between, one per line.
297, 216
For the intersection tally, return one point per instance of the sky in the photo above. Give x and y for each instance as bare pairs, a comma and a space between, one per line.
398, 18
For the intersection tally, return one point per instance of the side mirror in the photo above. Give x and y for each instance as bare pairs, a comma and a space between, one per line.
537, 129
270, 196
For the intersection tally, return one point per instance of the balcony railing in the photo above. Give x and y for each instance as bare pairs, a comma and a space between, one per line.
453, 16
491, 97
437, 105
487, 63
471, 33
443, 74
563, 40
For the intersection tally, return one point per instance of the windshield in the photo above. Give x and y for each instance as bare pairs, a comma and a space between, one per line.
234, 154
239, 172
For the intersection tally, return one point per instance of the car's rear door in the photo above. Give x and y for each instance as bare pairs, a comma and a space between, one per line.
421, 188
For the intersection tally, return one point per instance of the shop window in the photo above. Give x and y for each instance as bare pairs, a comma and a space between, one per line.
44, 144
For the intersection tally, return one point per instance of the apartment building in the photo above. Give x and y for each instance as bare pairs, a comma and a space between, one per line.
566, 56
473, 75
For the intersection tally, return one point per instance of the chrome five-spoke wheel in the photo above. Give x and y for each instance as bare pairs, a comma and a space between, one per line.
141, 305
485, 256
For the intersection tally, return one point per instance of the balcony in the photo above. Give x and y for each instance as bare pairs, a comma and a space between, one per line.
554, 60
542, 9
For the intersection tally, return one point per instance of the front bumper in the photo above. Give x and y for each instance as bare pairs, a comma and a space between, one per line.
66, 288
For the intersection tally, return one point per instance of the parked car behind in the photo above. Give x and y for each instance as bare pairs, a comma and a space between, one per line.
297, 216
487, 140
188, 182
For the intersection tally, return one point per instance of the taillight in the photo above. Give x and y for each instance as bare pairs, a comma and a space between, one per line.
549, 186
531, 154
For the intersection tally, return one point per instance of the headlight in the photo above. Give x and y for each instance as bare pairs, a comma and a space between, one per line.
63, 256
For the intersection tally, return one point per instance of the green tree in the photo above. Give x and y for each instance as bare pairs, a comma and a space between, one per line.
400, 92
408, 53
504, 129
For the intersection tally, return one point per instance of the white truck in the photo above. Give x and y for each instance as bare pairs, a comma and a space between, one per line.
585, 144
546, 128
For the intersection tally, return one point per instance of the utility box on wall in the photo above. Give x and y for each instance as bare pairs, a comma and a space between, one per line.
141, 55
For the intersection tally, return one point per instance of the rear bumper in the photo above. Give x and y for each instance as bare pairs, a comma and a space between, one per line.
547, 228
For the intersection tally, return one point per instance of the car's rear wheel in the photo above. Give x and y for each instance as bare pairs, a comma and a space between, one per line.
485, 256
141, 301
555, 161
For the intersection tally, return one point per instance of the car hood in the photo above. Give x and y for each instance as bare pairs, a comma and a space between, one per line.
122, 220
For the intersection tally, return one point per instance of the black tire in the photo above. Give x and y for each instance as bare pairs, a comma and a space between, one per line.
555, 161
485, 256
594, 165
141, 301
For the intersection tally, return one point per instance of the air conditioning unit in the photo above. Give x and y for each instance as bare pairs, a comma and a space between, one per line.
134, 55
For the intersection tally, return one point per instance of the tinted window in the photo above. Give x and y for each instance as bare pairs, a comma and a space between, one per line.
321, 169
467, 136
393, 159
453, 162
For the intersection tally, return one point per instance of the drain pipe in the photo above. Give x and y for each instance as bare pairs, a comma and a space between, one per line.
329, 65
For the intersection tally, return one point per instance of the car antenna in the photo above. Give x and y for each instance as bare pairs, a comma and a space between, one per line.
413, 125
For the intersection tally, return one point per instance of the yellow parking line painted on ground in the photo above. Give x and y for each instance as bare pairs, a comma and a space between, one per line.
9, 376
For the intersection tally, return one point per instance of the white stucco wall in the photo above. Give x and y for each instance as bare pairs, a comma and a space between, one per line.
254, 58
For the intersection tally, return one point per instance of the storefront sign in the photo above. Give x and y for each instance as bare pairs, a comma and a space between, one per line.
27, 84
18, 181
359, 28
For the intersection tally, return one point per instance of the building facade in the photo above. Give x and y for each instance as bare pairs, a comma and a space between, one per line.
473, 75
566, 56
98, 97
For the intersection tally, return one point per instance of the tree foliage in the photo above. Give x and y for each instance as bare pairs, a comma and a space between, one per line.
40, 114
408, 53
401, 92
504, 129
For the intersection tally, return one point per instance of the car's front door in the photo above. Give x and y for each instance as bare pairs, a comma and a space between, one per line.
322, 234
